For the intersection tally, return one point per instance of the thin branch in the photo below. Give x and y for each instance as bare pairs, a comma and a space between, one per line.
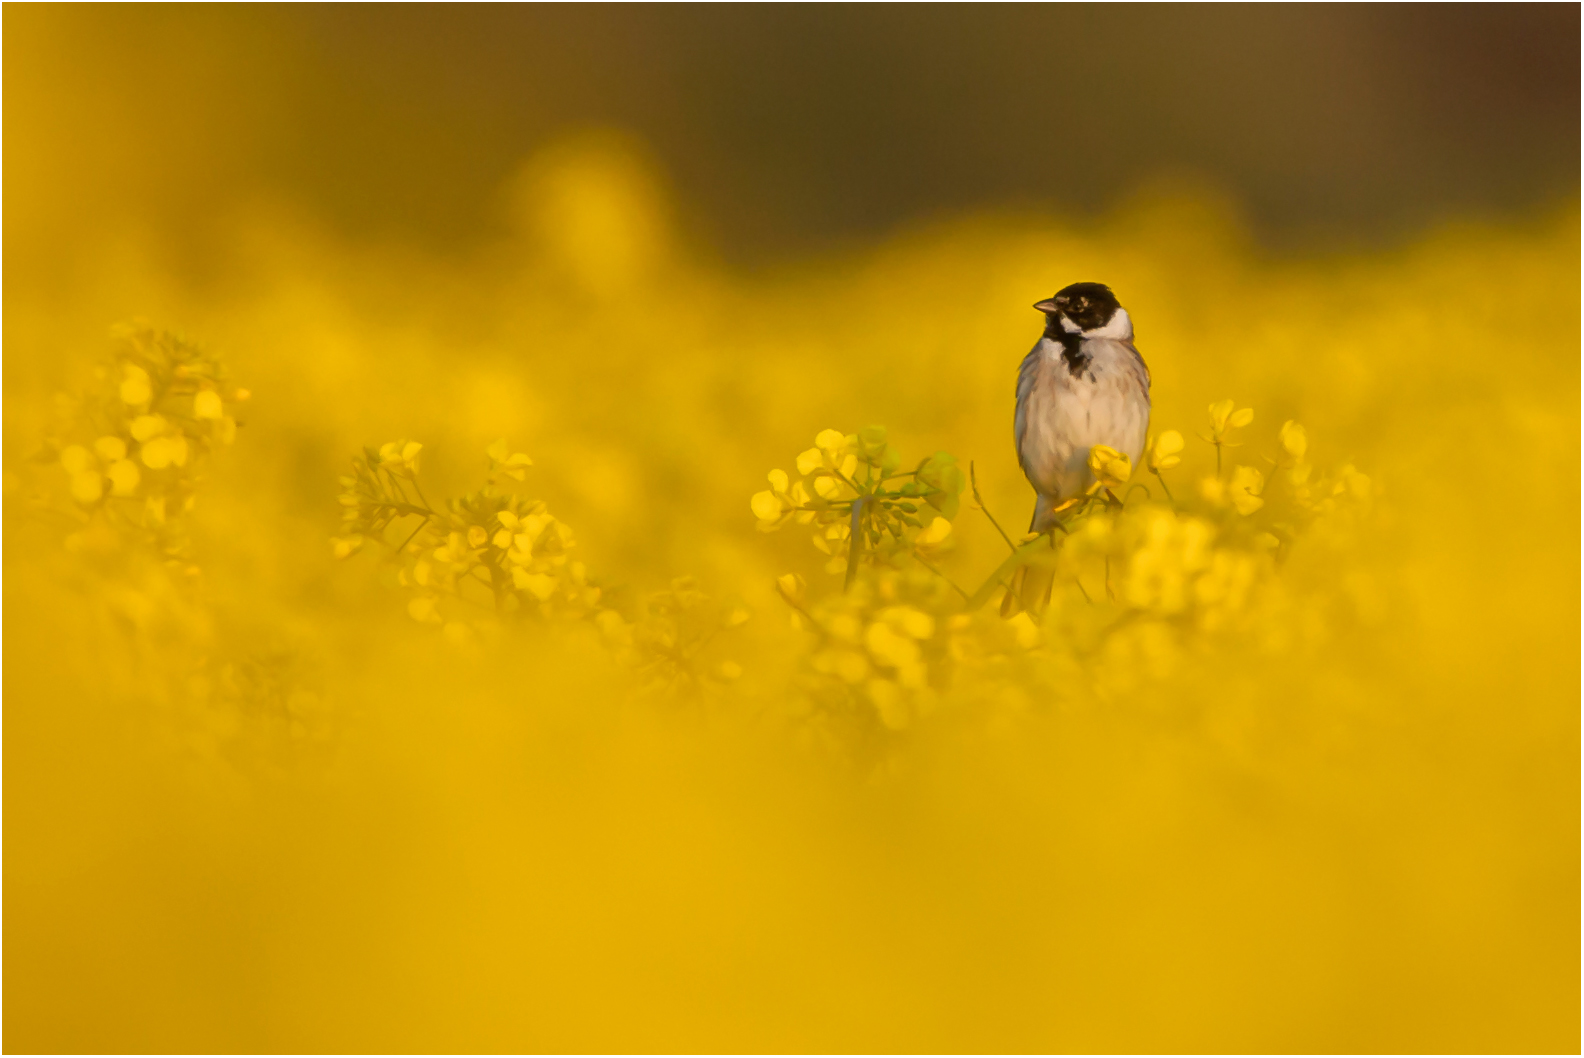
929, 566
979, 502
1162, 479
855, 544
414, 536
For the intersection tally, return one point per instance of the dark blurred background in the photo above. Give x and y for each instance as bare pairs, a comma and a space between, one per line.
785, 129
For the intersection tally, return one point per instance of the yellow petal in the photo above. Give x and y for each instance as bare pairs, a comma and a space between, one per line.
110, 448
146, 426
539, 585
791, 586
476, 536
831, 440
502, 539
87, 486
124, 477
778, 480
827, 487
1099, 456
1218, 414
1294, 441
498, 450
1240, 418
156, 453
915, 623
1169, 443
135, 387
935, 532
75, 459
810, 461
766, 506
207, 405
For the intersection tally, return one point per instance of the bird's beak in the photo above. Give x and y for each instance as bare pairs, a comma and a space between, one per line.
1047, 306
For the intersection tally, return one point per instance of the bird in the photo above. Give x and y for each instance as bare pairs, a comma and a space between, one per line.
1083, 384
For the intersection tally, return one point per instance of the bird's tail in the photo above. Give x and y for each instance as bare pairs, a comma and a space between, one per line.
1030, 587
1030, 590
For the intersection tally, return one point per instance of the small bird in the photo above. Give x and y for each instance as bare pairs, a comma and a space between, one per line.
1083, 384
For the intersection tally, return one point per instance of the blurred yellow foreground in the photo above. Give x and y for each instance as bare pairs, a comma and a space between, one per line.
252, 804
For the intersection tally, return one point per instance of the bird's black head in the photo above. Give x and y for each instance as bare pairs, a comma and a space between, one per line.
1089, 306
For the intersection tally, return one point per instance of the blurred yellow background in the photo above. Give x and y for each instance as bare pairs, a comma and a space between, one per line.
252, 805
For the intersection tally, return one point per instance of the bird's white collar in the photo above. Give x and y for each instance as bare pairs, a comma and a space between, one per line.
1120, 326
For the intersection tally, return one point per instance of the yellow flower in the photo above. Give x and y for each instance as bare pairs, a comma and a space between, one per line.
791, 587
110, 449
207, 405
135, 387
1163, 453
1246, 485
400, 457
831, 441
935, 533
346, 546
124, 477
827, 487
512, 464
800, 497
146, 426
767, 508
1025, 630
890, 647
87, 486
476, 536
539, 585
1110, 467
158, 453
1223, 418
1293, 440
915, 623
75, 459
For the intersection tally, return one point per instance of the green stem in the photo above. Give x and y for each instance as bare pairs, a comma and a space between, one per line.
1162, 478
415, 533
927, 565
979, 501
855, 541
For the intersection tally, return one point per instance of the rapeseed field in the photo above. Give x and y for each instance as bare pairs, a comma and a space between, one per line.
586, 646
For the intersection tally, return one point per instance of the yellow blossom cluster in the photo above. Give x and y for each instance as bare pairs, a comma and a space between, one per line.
473, 561
863, 507
1289, 762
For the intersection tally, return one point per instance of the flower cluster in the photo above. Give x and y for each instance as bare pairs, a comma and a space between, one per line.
862, 505
473, 561
673, 643
1131, 566
130, 452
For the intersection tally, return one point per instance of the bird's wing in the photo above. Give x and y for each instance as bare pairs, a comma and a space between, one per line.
1139, 369
1028, 373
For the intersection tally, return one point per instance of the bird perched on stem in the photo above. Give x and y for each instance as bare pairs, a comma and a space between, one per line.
1083, 384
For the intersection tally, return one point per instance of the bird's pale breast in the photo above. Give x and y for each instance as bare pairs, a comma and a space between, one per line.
1063, 412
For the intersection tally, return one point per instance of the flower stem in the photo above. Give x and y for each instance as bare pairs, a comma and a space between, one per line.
855, 541
979, 501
